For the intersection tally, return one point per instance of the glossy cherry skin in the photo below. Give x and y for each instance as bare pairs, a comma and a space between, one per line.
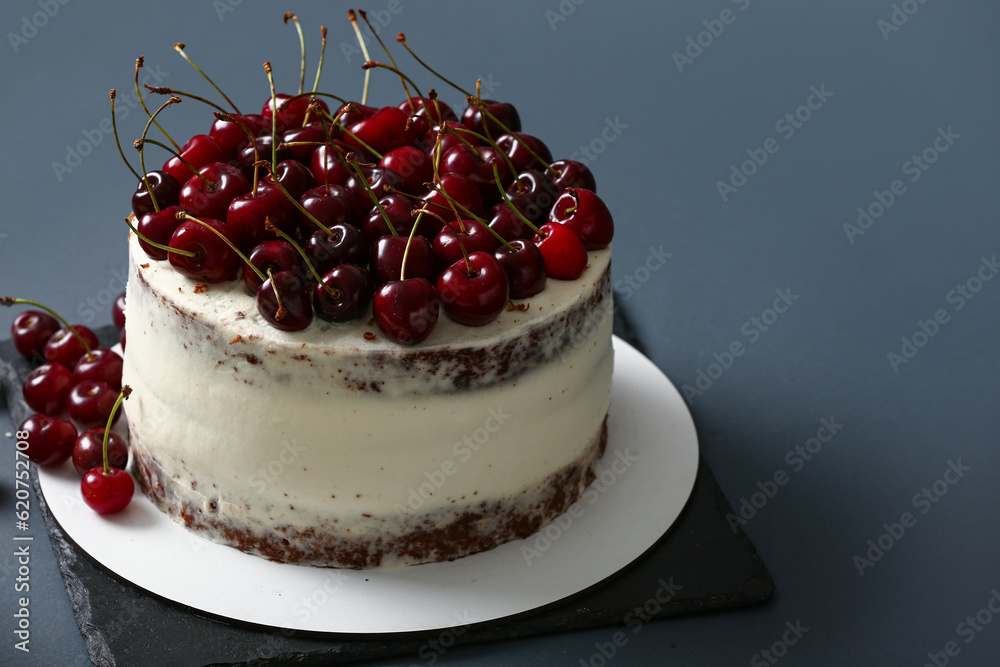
211, 199
452, 238
435, 111
377, 180
399, 210
246, 215
458, 188
476, 164
327, 167
90, 403
31, 330
230, 136
107, 494
516, 147
330, 204
293, 113
474, 298
412, 165
383, 131
447, 140
165, 188
64, 348
296, 311
358, 113
88, 450
50, 441
587, 215
199, 150
503, 111
525, 268
573, 174
310, 133
508, 224
102, 365
387, 259
347, 245
260, 149
277, 255
294, 176
214, 261
121, 340
351, 287
118, 312
46, 388
565, 256
406, 310
158, 227
534, 193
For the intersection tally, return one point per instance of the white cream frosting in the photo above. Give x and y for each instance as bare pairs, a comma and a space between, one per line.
279, 437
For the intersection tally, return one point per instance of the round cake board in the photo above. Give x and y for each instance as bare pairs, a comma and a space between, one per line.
649, 469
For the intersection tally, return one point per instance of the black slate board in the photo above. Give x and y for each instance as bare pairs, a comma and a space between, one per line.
712, 568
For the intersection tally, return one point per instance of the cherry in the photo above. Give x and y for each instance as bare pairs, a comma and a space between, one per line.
209, 196
346, 245
121, 340
586, 214
50, 441
261, 148
524, 266
88, 450
118, 311
158, 226
230, 136
213, 260
283, 300
456, 239
474, 292
46, 388
66, 349
277, 255
376, 180
406, 310
327, 167
564, 253
573, 174
399, 209
104, 488
31, 330
199, 150
412, 165
517, 146
102, 365
246, 215
294, 112
460, 189
508, 224
534, 193
476, 164
294, 176
351, 288
165, 188
434, 110
449, 139
382, 131
504, 112
330, 204
358, 113
387, 259
90, 403
309, 134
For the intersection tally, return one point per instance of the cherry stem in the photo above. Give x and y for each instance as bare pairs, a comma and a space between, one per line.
479, 98
406, 250
139, 143
274, 118
284, 105
138, 147
353, 164
478, 104
10, 301
114, 127
353, 18
503, 193
402, 39
281, 312
179, 48
122, 395
292, 199
181, 215
406, 90
312, 269
229, 118
319, 70
163, 90
138, 92
165, 248
475, 217
289, 16
402, 77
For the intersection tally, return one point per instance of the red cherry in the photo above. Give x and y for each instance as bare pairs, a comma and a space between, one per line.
246, 215
449, 139
107, 493
387, 259
573, 174
435, 111
118, 312
214, 261
358, 113
261, 148
534, 193
584, 212
451, 239
199, 150
475, 297
327, 167
121, 340
31, 330
313, 132
476, 164
525, 268
230, 136
64, 348
352, 290
516, 147
50, 441
101, 365
508, 224
277, 255
88, 450
383, 131
209, 196
46, 388
90, 403
283, 300
293, 113
399, 209
460, 189
565, 256
345, 245
158, 227
293, 176
406, 310
503, 111
377, 180
413, 166
165, 188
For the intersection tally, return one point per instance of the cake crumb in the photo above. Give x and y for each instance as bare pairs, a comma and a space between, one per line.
179, 289
236, 340
200, 287
145, 266
240, 314
371, 322
369, 336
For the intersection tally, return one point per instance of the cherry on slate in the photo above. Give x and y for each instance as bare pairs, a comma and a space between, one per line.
66, 349
102, 365
30, 332
46, 388
50, 441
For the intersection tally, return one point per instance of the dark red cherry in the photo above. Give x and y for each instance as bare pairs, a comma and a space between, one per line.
534, 193
412, 165
458, 188
31, 330
118, 312
525, 268
406, 310
327, 167
476, 164
358, 113
64, 348
344, 293
382, 132
200, 150
565, 256
313, 132
471, 235
330, 204
508, 224
293, 113
46, 388
50, 441
246, 215
107, 493
449, 139
377, 180
435, 111
387, 259
399, 209
158, 227
516, 147
346, 245
101, 365
474, 297
165, 188
121, 340
503, 111
573, 174
283, 300
213, 262
294, 176
261, 149
90, 403
209, 196
278, 255
88, 450
230, 136
586, 214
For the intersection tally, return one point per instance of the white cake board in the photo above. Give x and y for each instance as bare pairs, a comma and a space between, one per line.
649, 427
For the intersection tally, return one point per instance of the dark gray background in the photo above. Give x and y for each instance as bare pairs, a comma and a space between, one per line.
62, 241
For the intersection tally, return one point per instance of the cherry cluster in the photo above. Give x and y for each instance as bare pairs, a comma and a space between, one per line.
76, 394
406, 207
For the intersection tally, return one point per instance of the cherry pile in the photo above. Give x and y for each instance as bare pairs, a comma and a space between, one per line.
75, 391
409, 208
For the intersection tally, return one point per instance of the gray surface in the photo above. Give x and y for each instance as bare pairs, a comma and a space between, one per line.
62, 242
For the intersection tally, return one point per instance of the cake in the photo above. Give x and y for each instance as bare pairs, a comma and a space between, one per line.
416, 364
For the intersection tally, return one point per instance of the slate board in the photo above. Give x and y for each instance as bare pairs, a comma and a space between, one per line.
123, 625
